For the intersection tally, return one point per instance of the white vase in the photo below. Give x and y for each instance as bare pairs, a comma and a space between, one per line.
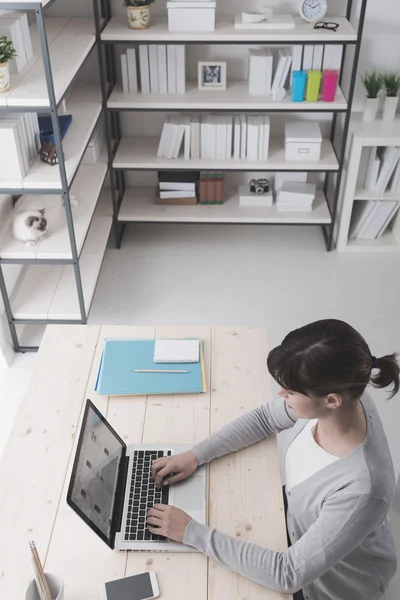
4, 77
371, 108
390, 107
138, 16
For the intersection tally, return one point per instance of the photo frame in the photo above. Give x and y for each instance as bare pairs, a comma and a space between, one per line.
212, 76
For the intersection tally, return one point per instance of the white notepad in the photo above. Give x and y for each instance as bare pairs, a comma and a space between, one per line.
176, 351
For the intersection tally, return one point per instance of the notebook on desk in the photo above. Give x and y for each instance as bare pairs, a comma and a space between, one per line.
121, 358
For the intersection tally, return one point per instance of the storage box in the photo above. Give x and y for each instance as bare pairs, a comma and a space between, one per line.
303, 141
191, 16
253, 200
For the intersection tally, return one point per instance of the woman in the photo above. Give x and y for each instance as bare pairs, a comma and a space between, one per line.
339, 474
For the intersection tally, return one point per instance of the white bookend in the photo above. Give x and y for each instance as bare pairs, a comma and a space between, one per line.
388, 219
229, 137
390, 158
265, 152
180, 69
195, 137
333, 57
221, 134
162, 69
186, 151
243, 137
144, 68
318, 56
308, 57
153, 60
171, 67
124, 74
163, 139
280, 67
132, 69
297, 60
236, 138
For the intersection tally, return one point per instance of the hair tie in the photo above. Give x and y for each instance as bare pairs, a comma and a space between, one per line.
374, 362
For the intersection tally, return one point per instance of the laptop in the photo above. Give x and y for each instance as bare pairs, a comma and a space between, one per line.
111, 487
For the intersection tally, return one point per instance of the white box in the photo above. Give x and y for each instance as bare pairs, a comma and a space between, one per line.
302, 192
303, 141
253, 200
191, 16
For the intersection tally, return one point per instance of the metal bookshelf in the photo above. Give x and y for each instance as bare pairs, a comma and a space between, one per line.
130, 154
58, 292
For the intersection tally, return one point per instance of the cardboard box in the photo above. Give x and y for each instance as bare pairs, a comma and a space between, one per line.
253, 200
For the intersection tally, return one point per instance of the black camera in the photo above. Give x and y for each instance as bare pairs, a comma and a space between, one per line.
259, 186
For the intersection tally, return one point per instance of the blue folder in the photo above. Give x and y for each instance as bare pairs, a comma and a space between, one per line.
121, 357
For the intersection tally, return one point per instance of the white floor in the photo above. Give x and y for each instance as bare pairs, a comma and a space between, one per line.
275, 277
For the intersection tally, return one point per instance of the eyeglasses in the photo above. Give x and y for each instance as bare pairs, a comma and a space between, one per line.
327, 25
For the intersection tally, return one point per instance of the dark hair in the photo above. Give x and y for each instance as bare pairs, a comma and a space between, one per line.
328, 357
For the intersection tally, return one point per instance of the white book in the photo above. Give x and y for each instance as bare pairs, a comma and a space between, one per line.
385, 208
318, 57
10, 26
11, 165
252, 139
221, 137
308, 57
297, 60
161, 151
21, 136
288, 63
388, 219
144, 68
27, 36
178, 194
162, 68
259, 77
229, 137
260, 128
179, 140
267, 126
132, 70
124, 74
153, 61
333, 57
212, 138
181, 186
236, 138
395, 183
171, 67
35, 121
203, 136
173, 136
390, 158
371, 215
243, 137
372, 169
280, 67
195, 137
360, 212
186, 151
180, 69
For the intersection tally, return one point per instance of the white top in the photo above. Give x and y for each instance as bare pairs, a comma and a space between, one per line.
305, 457
301, 131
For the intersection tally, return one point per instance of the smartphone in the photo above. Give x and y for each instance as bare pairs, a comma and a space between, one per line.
138, 587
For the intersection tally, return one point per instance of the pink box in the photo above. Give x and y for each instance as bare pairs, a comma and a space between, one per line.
329, 85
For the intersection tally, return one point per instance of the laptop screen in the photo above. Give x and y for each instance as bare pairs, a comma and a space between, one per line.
94, 480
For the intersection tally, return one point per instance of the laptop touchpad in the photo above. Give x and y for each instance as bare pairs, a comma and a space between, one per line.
189, 494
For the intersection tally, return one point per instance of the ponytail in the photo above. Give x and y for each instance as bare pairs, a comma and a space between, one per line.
388, 373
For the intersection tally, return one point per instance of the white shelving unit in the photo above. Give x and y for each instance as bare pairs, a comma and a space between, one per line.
377, 133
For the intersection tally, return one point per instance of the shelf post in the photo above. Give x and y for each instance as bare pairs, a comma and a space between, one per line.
9, 315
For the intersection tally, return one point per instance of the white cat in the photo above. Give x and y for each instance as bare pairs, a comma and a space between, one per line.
30, 226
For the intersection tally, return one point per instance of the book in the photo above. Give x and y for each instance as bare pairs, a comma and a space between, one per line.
132, 70
124, 74
178, 180
174, 132
361, 211
144, 68
318, 57
384, 208
229, 137
280, 67
267, 126
153, 62
177, 351
297, 60
186, 201
177, 194
178, 139
212, 137
171, 68
308, 57
388, 220
260, 127
243, 137
236, 138
186, 151
221, 138
372, 169
162, 68
195, 137
11, 162
161, 151
260, 72
395, 183
332, 57
180, 69
390, 158
362, 233
121, 357
288, 62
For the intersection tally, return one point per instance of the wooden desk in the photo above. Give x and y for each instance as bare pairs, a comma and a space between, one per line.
245, 488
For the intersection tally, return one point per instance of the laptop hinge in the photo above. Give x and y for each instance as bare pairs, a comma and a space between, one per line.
119, 498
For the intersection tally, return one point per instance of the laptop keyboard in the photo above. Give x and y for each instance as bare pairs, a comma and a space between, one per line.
143, 495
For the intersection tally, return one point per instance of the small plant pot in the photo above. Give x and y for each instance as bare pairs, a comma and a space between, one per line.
371, 108
4, 77
390, 107
138, 16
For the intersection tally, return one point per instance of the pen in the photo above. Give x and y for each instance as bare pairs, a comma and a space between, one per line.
157, 371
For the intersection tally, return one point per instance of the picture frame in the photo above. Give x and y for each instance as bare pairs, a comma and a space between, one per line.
212, 76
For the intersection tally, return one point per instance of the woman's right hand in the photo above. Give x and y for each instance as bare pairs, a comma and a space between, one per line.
180, 465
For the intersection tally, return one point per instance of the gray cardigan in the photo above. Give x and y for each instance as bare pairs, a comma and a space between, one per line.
338, 521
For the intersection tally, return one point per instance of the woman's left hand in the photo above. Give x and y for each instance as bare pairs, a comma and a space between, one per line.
168, 521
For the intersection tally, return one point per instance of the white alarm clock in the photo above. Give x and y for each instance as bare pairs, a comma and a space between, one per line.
313, 10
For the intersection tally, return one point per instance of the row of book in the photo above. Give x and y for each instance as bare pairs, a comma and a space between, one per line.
14, 25
157, 69
371, 219
383, 170
19, 145
269, 71
190, 187
215, 137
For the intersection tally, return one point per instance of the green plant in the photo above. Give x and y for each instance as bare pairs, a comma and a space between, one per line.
7, 50
391, 83
137, 3
373, 83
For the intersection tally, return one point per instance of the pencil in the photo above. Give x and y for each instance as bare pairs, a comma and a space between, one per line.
42, 576
158, 371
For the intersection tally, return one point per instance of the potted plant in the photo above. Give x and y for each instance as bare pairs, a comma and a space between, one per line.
373, 83
138, 13
7, 53
391, 82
